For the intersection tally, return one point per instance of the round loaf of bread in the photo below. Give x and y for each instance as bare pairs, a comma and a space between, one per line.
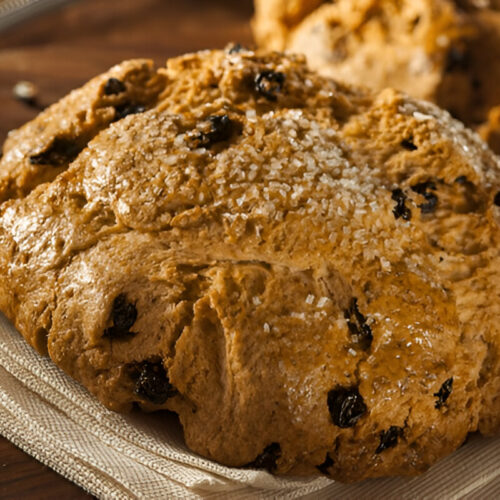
446, 51
306, 272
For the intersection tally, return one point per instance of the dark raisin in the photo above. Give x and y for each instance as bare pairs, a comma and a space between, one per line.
269, 83
366, 337
267, 459
423, 188
496, 199
430, 205
353, 327
457, 60
235, 48
128, 109
356, 322
114, 86
153, 383
397, 194
123, 313
389, 438
346, 406
115, 333
323, 468
400, 210
220, 129
444, 393
468, 189
60, 152
409, 144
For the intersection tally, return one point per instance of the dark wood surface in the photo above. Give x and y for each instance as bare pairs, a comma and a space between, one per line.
22, 477
63, 49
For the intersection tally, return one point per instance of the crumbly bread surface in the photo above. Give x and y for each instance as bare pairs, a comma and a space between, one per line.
445, 51
306, 272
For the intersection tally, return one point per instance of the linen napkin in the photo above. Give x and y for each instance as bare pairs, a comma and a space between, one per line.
14, 11
143, 456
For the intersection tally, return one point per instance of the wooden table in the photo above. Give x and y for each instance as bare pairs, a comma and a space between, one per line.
61, 50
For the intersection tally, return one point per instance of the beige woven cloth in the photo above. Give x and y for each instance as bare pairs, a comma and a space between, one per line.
54, 419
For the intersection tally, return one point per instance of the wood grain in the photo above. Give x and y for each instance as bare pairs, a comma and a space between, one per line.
60, 51
22, 477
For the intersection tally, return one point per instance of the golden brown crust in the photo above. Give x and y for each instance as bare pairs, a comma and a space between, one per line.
490, 131
445, 51
44, 147
274, 19
307, 273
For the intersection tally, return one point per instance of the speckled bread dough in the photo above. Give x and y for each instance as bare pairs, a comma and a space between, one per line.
307, 273
444, 51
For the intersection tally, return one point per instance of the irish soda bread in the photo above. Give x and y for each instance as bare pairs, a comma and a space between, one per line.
307, 273
447, 51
